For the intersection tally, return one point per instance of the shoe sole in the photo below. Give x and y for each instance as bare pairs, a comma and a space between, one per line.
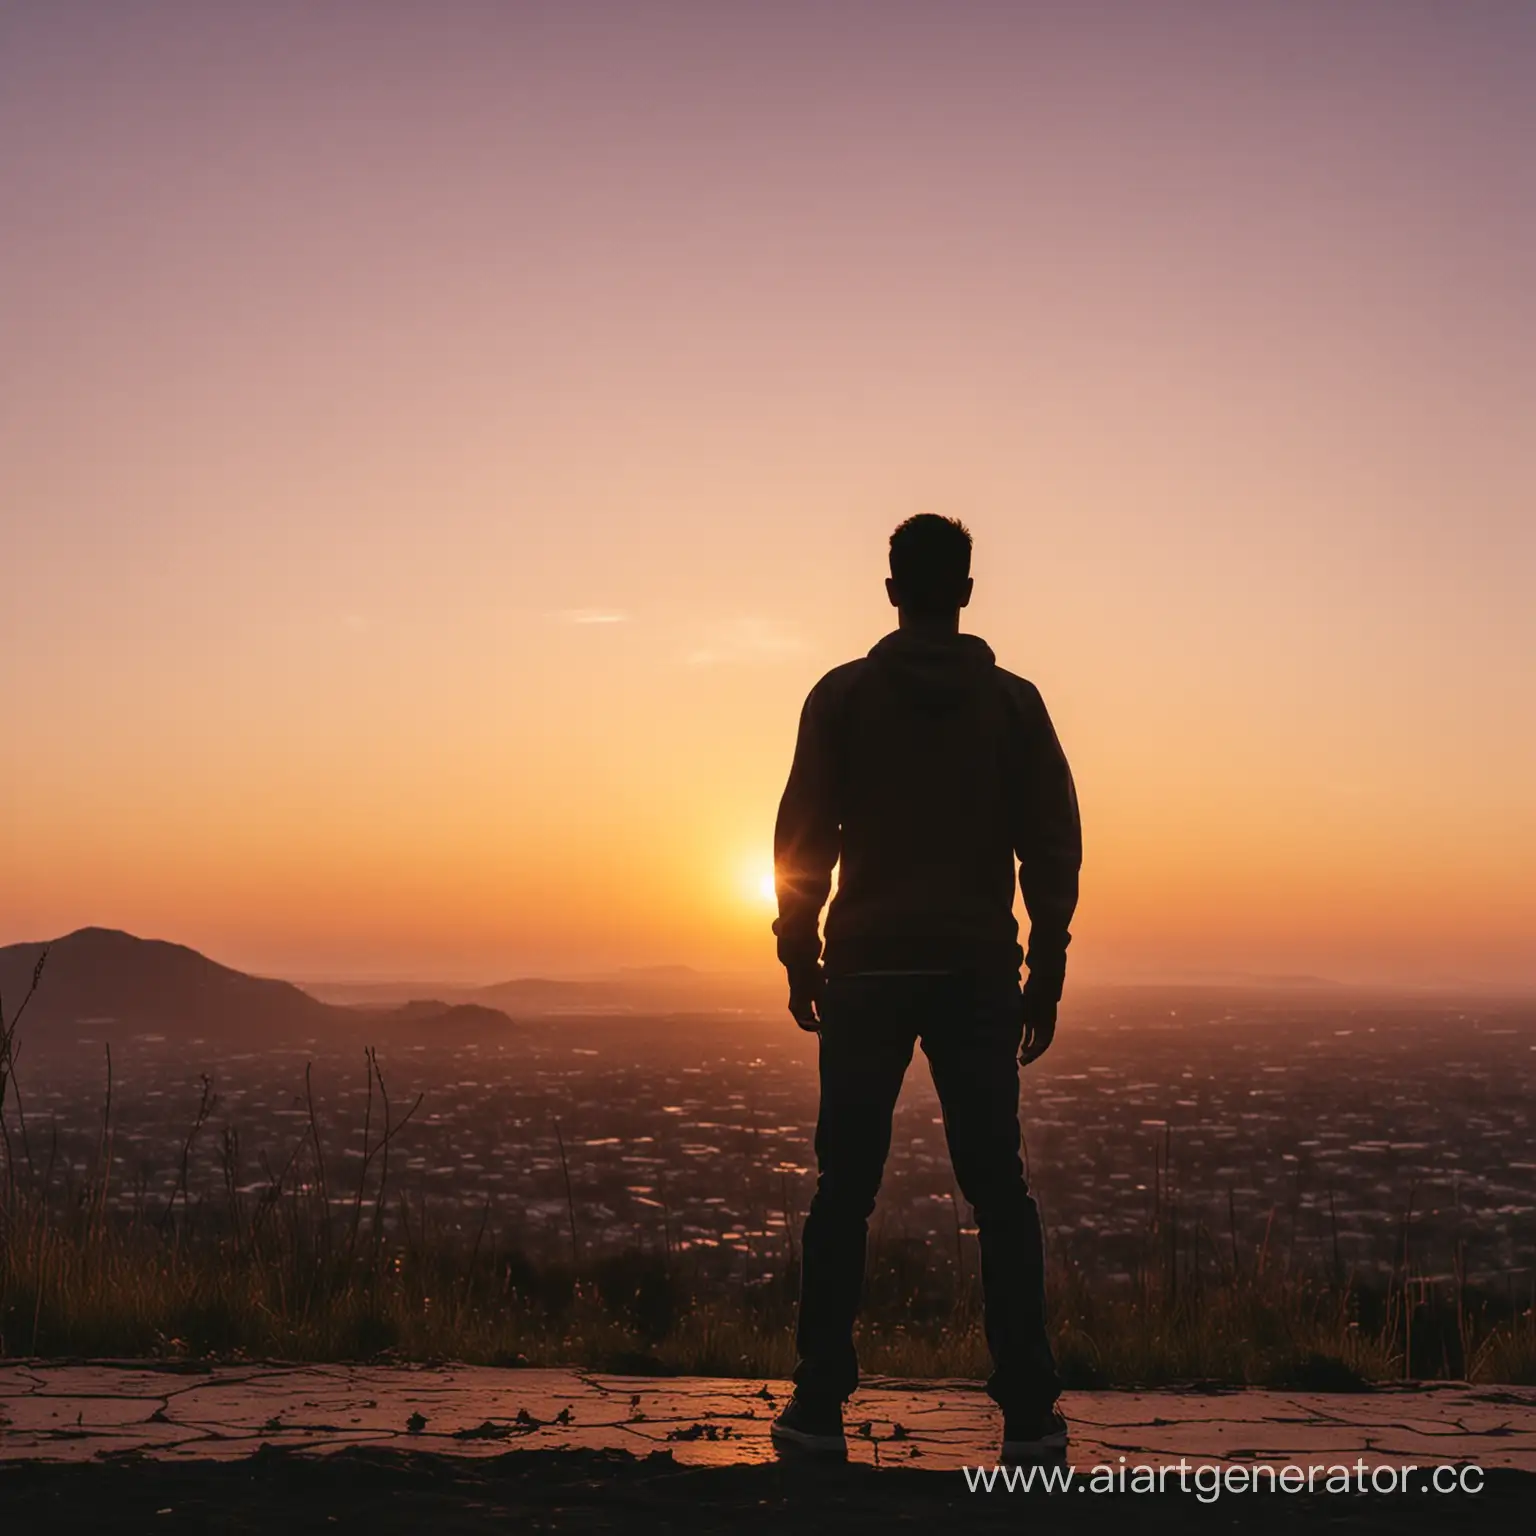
816, 1445
1035, 1450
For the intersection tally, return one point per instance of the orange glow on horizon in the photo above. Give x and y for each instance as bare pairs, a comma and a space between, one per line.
437, 458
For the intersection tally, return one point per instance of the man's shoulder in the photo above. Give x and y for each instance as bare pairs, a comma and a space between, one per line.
1018, 690
835, 685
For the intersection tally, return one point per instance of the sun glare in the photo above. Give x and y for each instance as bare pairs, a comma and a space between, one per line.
765, 888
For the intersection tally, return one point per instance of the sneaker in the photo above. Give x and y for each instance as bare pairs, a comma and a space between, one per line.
811, 1424
1039, 1435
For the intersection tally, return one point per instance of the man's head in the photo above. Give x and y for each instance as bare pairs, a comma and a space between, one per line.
930, 567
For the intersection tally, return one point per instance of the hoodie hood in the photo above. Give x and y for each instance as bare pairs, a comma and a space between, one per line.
937, 672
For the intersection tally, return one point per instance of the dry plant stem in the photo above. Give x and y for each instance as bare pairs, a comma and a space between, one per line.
380, 1148
104, 1149
380, 1204
666, 1212
314, 1132
570, 1202
474, 1253
9, 1053
229, 1166
204, 1109
362, 1172
391, 1130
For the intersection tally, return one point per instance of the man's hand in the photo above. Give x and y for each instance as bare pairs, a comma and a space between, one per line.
805, 992
1038, 1010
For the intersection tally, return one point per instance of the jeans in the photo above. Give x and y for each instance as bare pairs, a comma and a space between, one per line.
970, 1028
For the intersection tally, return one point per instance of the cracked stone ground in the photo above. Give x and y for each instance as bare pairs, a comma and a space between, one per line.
445, 1448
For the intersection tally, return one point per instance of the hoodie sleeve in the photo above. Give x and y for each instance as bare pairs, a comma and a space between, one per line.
1048, 839
806, 836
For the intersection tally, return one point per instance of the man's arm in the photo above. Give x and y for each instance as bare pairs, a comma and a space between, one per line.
1048, 839
806, 841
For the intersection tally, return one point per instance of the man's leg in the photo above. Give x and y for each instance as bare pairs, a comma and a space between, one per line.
865, 1050
972, 1047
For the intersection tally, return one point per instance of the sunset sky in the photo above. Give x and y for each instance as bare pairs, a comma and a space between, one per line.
440, 445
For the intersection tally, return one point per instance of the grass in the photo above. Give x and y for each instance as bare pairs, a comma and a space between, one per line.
71, 1285
307, 1272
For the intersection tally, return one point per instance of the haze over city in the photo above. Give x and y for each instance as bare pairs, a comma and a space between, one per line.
439, 448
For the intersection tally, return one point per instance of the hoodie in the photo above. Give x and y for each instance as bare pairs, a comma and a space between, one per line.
922, 771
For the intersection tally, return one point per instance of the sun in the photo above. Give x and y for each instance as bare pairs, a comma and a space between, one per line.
752, 883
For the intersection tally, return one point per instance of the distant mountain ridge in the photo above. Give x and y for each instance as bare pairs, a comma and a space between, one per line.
112, 982
646, 989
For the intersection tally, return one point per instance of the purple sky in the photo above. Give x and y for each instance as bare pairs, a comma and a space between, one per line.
354, 357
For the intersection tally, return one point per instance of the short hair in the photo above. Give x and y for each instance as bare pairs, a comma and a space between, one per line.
930, 561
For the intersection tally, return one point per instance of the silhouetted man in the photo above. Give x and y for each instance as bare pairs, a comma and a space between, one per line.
921, 771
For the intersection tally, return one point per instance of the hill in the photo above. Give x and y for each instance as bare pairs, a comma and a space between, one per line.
113, 983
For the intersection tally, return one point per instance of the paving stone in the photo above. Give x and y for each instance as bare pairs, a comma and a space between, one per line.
73, 1412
